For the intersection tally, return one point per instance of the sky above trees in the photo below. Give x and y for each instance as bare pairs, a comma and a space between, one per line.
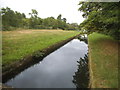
47, 8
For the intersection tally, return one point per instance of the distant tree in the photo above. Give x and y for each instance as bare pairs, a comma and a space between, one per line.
8, 17
23, 15
11, 19
59, 17
34, 13
14, 19
64, 20
33, 21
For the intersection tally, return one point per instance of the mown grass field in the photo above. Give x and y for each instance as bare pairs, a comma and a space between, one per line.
103, 54
20, 43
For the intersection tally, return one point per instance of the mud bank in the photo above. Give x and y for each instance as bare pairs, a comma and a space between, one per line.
12, 70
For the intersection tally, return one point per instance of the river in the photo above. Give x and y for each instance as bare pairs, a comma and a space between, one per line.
55, 71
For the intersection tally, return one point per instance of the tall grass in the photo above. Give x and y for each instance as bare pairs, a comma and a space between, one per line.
103, 53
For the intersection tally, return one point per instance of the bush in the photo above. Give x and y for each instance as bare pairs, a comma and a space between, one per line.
8, 28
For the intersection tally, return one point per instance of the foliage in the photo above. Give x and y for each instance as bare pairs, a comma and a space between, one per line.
59, 17
101, 17
13, 19
73, 26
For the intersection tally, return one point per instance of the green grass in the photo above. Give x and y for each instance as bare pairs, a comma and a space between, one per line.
103, 54
17, 44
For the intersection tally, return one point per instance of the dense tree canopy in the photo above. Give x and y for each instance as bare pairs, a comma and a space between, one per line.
13, 19
101, 17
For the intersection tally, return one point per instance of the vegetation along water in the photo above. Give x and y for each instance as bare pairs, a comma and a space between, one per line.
24, 35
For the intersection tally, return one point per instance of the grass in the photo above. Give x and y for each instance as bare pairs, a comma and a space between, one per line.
20, 43
103, 53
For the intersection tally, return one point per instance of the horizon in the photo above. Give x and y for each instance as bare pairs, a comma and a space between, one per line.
68, 9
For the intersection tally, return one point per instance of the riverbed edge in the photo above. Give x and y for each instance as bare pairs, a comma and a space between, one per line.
90, 65
90, 69
16, 67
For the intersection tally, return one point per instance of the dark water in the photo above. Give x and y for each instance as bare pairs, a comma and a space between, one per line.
57, 70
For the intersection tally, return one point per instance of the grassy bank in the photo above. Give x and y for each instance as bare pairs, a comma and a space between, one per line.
17, 44
103, 54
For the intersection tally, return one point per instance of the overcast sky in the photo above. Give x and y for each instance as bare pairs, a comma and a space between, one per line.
47, 8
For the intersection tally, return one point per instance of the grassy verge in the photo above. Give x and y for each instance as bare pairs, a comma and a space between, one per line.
17, 44
103, 54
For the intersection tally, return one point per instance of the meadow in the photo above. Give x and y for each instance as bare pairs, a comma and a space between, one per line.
20, 43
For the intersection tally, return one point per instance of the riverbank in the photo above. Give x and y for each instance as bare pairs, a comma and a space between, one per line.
17, 44
24, 44
103, 61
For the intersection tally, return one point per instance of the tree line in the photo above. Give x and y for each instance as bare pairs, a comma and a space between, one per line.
101, 17
13, 19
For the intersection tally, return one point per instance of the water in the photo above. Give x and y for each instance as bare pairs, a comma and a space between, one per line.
54, 71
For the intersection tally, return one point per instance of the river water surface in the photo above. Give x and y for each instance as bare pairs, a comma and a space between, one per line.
55, 71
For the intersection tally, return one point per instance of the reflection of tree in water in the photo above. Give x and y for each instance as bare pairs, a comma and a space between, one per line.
83, 38
81, 77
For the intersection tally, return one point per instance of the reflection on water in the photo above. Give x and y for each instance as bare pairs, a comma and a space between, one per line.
81, 77
83, 38
54, 71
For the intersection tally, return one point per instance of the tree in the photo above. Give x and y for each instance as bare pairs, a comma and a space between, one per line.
33, 21
34, 13
64, 20
11, 19
14, 19
101, 17
59, 17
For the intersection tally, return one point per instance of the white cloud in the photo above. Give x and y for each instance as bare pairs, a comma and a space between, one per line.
47, 8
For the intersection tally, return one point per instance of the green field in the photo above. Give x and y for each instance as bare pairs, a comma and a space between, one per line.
20, 43
103, 54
